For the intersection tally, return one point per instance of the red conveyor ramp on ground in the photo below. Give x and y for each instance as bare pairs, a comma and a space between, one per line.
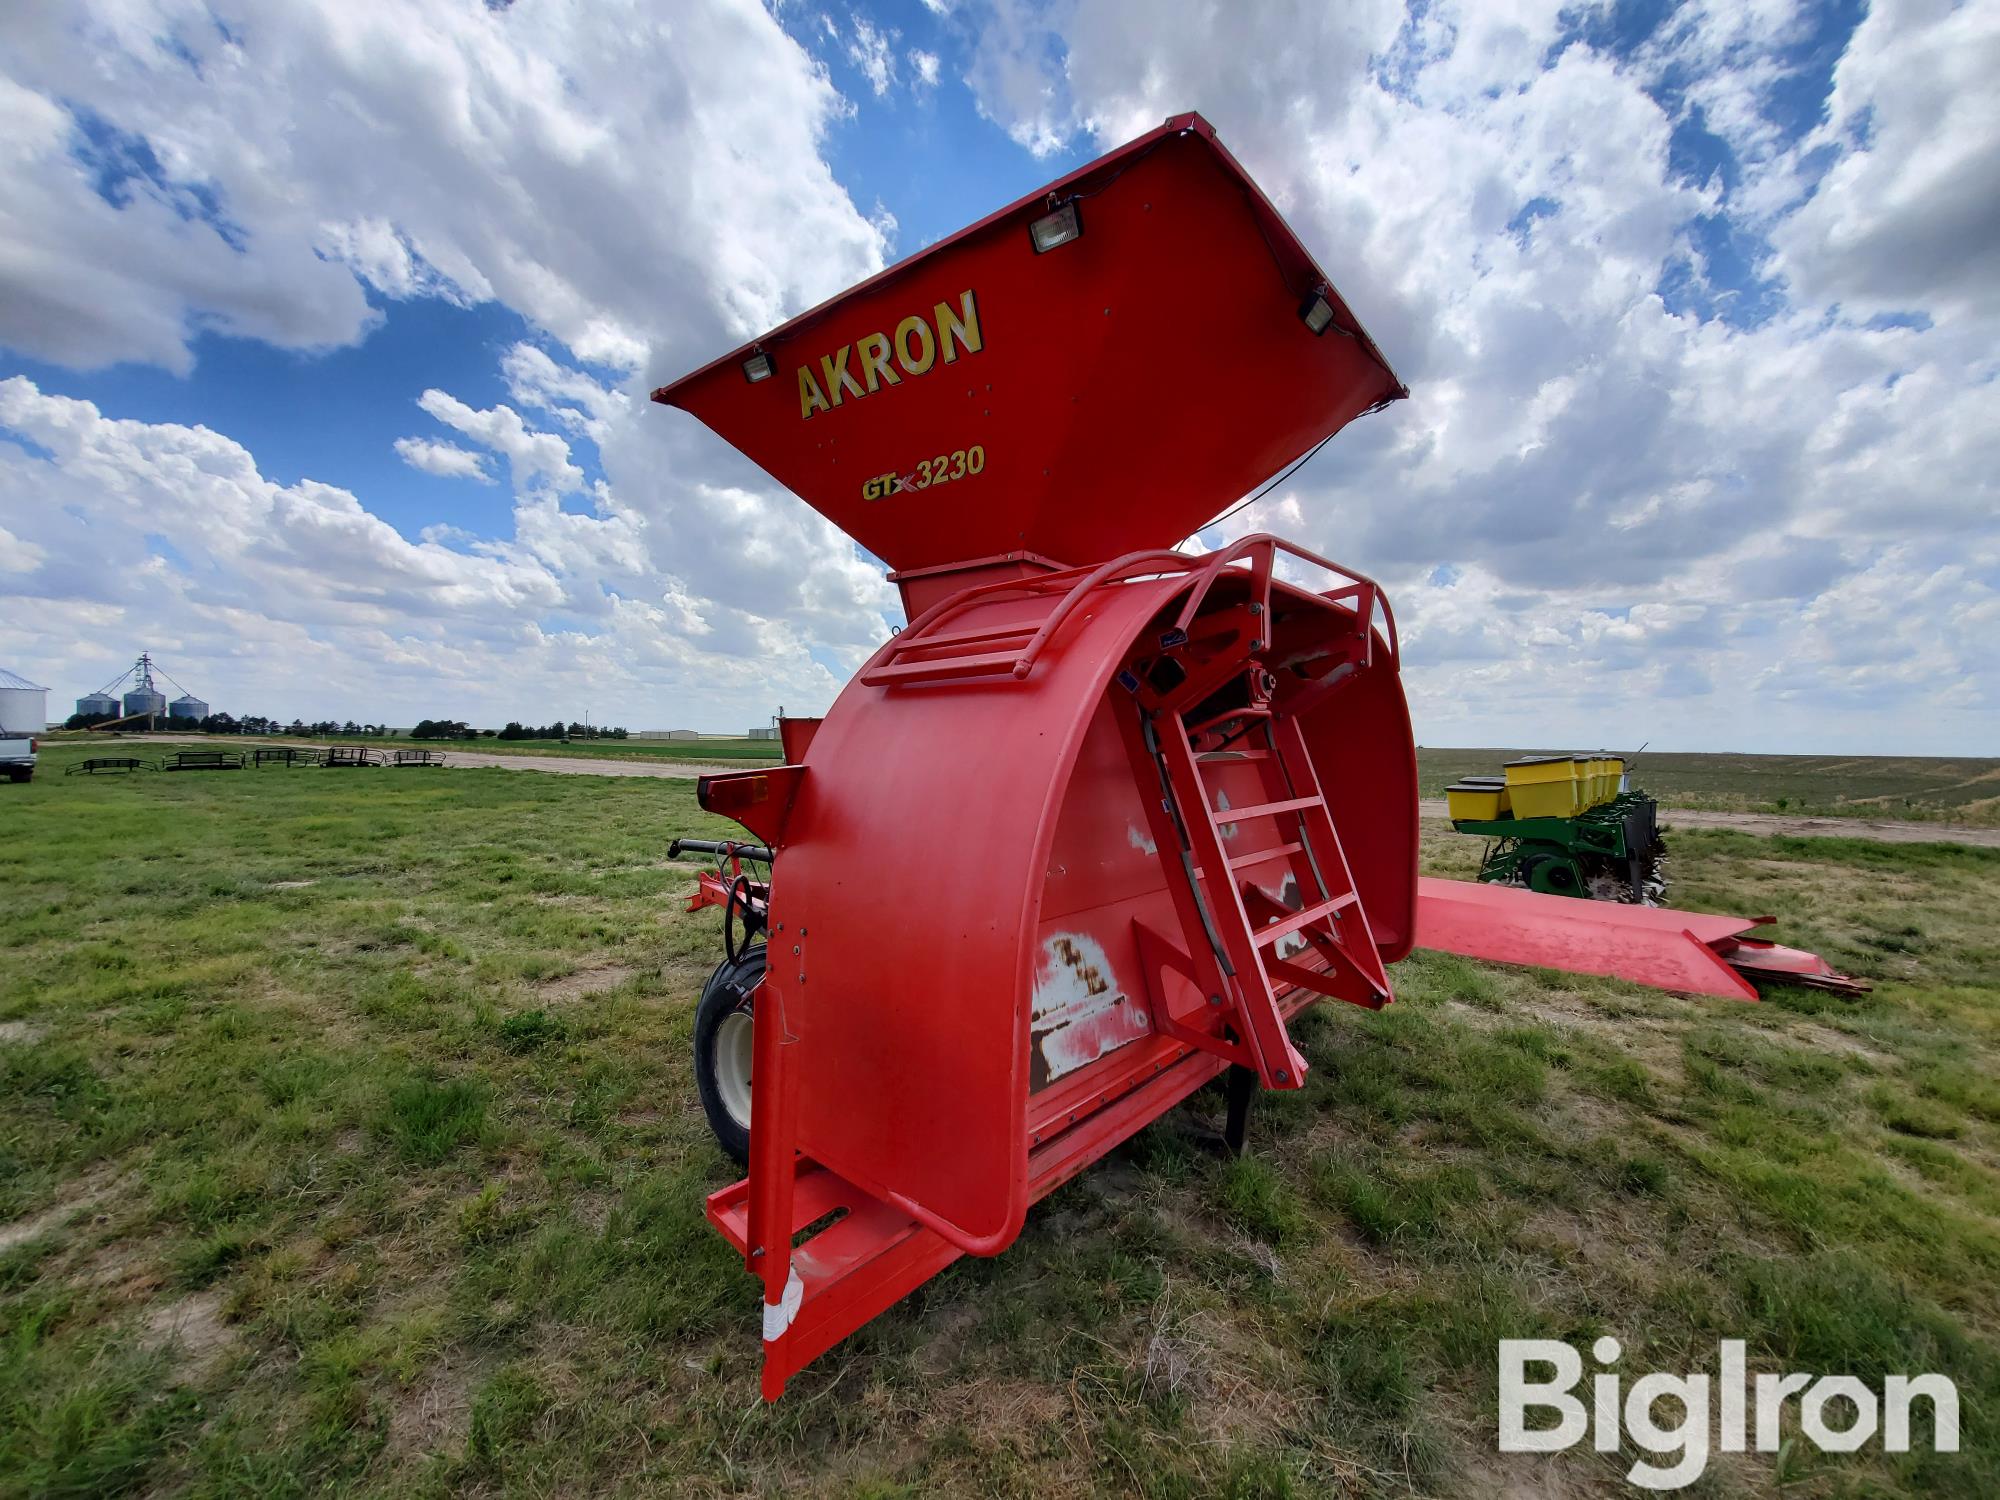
1687, 952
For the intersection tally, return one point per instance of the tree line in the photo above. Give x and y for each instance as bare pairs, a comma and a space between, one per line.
559, 731
426, 729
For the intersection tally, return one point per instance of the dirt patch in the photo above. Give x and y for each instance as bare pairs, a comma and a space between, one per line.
1522, 1476
1237, 1382
1000, 1415
193, 1330
432, 1415
33, 1227
83, 1194
1826, 1039
291, 885
583, 982
124, 1268
21, 1033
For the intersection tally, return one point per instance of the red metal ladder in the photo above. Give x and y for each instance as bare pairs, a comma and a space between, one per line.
1233, 926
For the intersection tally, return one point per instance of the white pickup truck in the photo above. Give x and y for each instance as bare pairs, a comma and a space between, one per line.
17, 755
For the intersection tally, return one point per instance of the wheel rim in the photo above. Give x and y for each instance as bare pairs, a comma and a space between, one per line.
732, 1065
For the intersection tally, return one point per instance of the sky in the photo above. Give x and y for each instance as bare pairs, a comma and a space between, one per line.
326, 331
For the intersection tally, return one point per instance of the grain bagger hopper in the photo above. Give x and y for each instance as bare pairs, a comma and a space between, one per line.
1086, 833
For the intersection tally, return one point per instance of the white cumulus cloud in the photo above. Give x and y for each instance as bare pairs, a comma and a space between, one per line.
873, 51
535, 457
446, 460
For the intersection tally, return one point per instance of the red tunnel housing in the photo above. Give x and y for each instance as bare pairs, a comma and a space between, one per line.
1090, 829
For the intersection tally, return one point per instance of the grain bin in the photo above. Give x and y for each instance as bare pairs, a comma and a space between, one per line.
145, 700
24, 708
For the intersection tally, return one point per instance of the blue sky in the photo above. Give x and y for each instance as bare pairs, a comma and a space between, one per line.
1689, 298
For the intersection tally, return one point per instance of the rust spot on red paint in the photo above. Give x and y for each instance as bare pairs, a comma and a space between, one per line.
1079, 1013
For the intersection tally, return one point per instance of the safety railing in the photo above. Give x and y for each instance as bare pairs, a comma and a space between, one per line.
926, 653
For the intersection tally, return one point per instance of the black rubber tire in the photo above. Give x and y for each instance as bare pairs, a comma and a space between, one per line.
727, 992
19, 774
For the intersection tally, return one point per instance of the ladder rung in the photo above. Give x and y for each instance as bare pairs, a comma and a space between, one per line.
1257, 857
942, 669
1263, 809
1298, 919
1249, 711
909, 642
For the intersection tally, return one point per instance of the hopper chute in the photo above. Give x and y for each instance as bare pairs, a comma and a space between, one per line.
1107, 394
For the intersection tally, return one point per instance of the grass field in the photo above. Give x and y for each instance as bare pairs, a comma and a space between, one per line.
1871, 786
348, 1144
747, 750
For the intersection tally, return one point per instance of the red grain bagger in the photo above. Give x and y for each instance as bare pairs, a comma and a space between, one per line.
1088, 830
1106, 814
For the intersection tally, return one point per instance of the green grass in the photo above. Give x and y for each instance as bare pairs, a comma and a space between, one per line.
379, 1088
1964, 789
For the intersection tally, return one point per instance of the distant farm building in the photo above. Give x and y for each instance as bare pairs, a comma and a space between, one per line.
24, 707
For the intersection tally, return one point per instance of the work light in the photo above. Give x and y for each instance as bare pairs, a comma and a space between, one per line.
1317, 312
1057, 228
759, 366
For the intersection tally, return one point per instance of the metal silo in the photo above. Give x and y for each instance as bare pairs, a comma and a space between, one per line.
144, 697
187, 706
145, 700
24, 708
97, 703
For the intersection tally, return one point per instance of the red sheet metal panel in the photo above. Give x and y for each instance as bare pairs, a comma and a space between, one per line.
1650, 945
912, 872
1363, 747
1111, 394
1756, 959
953, 927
